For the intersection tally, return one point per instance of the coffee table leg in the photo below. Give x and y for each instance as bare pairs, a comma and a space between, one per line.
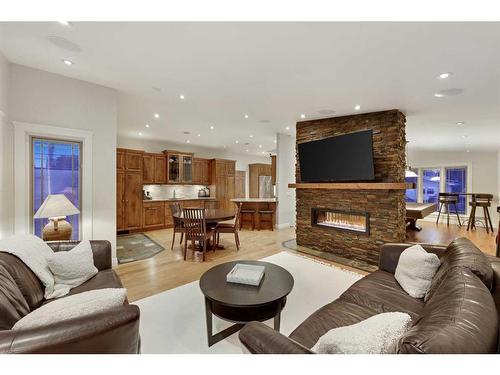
208, 316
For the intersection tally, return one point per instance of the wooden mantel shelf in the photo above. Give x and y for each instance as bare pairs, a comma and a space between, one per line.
354, 185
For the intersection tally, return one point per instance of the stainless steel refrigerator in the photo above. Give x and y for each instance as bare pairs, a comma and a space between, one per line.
265, 187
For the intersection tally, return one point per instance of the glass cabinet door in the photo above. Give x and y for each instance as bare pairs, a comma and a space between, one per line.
187, 168
173, 168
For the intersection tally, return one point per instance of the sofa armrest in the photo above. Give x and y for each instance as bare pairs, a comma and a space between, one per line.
101, 250
261, 339
112, 331
390, 252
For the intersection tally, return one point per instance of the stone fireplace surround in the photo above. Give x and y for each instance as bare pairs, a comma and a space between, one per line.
385, 208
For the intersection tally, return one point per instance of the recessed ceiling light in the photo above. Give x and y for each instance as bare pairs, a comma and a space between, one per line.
188, 141
303, 116
140, 133
246, 150
445, 75
464, 136
67, 62
275, 141
287, 128
263, 152
212, 127
65, 23
147, 125
198, 135
236, 141
251, 136
357, 107
260, 146
157, 115
460, 123
467, 150
181, 97
246, 116
438, 95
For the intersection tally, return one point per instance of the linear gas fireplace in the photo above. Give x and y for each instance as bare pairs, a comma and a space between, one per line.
341, 220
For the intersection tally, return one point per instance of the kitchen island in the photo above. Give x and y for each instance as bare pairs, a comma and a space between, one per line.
261, 205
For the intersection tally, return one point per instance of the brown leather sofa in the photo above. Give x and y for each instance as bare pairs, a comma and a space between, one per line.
113, 331
460, 315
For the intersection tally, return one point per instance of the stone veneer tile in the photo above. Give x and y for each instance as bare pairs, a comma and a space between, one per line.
386, 207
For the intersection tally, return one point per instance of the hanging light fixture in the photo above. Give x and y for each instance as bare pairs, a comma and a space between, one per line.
408, 171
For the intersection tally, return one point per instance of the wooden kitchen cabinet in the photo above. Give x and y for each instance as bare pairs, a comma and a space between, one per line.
201, 171
154, 169
273, 169
153, 214
223, 173
129, 180
179, 167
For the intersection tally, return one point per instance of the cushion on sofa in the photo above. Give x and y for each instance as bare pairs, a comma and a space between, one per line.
460, 317
13, 305
374, 335
376, 293
415, 270
73, 267
463, 253
73, 307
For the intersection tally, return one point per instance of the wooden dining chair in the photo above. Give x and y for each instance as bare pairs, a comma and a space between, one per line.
195, 227
175, 208
233, 227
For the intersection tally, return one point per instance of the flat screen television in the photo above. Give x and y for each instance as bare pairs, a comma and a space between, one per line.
347, 157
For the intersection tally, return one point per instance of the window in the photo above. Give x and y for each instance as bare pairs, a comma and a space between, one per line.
431, 182
456, 182
56, 170
412, 194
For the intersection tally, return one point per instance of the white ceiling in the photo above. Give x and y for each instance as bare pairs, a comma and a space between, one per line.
277, 71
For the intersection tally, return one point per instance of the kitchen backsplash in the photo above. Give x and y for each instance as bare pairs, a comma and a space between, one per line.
181, 191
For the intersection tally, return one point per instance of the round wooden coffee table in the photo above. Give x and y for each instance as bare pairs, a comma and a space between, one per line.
240, 303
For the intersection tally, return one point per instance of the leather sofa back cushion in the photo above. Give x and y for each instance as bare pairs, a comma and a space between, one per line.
29, 285
460, 318
13, 306
462, 253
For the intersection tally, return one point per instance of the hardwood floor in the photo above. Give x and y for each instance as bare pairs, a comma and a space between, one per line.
168, 270
442, 234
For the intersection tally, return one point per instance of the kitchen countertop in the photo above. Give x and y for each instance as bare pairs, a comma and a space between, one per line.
180, 199
255, 200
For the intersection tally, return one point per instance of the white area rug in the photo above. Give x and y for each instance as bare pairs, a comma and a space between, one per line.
174, 321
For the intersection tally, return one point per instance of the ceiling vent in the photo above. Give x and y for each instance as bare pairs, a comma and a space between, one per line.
64, 43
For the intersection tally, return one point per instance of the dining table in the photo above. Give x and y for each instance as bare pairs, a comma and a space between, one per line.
213, 216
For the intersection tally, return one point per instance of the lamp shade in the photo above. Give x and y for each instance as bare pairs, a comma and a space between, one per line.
56, 205
410, 173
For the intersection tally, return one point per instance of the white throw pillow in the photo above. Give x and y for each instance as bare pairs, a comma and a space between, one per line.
415, 270
33, 251
71, 268
374, 335
75, 306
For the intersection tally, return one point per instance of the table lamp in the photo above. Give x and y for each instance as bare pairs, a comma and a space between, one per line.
56, 207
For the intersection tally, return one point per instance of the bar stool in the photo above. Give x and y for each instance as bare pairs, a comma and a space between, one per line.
484, 201
263, 218
445, 199
247, 217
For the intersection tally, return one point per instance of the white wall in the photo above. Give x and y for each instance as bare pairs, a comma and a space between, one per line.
485, 169
285, 175
242, 160
6, 155
44, 98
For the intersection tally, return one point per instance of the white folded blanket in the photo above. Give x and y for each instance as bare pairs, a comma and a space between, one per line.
57, 272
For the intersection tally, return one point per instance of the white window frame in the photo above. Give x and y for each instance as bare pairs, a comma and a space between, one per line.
442, 186
23, 132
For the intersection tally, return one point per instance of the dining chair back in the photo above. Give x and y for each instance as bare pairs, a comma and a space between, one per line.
195, 226
175, 209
